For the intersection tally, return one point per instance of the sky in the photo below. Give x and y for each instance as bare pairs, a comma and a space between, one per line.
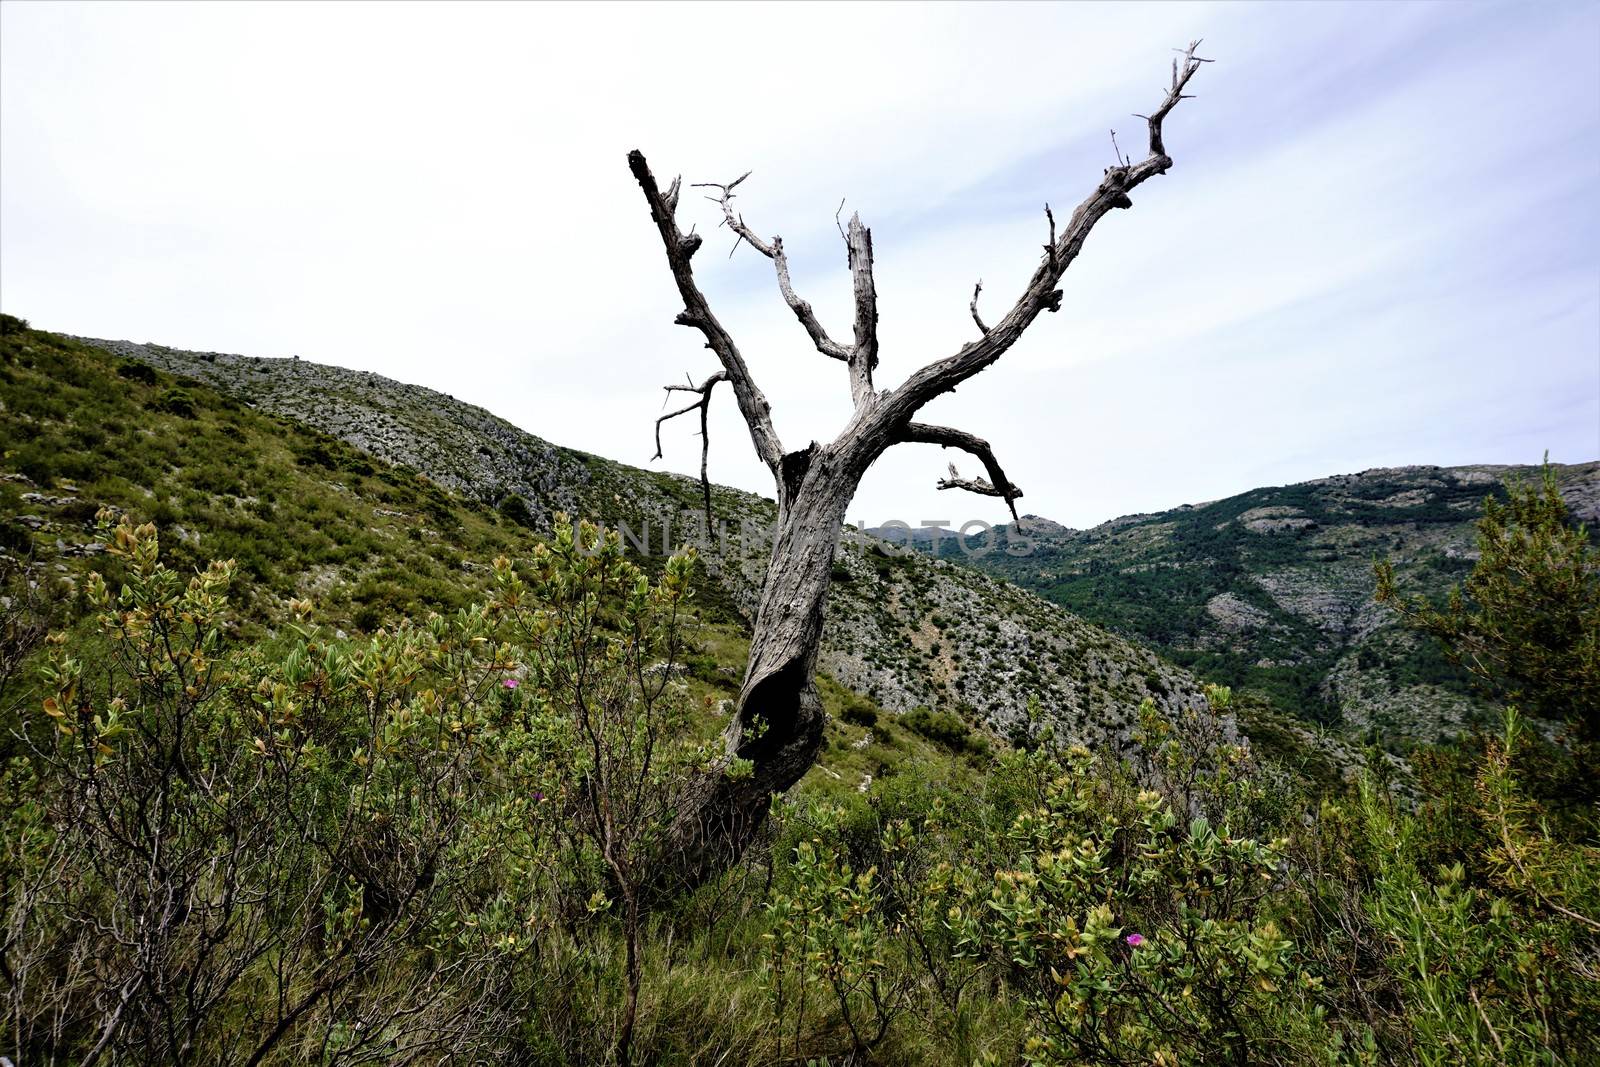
1379, 244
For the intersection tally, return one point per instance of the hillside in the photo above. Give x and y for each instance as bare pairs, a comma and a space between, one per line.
1271, 590
392, 845
304, 514
347, 484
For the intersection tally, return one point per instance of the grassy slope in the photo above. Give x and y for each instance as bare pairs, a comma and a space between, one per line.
302, 513
306, 515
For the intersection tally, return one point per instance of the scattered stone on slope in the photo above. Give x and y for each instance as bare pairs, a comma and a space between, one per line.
1234, 614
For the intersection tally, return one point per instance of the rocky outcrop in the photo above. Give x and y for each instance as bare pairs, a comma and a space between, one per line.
1234, 614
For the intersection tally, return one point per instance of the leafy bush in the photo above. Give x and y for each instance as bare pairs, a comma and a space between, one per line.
944, 728
134, 371
1493, 955
601, 645
516, 509
1178, 908
1144, 933
440, 843
176, 401
318, 452
236, 855
859, 712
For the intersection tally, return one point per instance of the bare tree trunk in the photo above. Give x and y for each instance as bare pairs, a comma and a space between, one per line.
779, 722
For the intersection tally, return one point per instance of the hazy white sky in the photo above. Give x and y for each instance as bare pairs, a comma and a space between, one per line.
1380, 243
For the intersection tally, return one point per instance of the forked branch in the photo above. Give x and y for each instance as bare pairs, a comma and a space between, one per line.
1181, 73
774, 251
882, 419
703, 405
680, 248
997, 484
1041, 294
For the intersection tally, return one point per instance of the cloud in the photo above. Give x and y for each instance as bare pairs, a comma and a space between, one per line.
1377, 246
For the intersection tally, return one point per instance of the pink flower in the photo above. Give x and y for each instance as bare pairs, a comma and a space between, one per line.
510, 683
1135, 940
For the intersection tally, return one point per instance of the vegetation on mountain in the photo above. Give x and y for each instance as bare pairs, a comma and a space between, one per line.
1526, 622
426, 846
1271, 591
278, 811
300, 513
900, 629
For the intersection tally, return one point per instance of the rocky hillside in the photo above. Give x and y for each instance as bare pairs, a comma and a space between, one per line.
1271, 590
306, 516
902, 629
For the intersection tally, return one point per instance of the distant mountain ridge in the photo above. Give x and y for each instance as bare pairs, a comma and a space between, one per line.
1271, 589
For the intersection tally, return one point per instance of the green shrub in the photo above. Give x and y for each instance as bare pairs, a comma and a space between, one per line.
859, 712
135, 371
317, 452
361, 850
1490, 953
176, 401
943, 728
516, 510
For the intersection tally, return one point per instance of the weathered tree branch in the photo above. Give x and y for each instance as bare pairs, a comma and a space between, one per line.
1122, 161
946, 437
697, 313
774, 251
1180, 81
1050, 249
861, 356
864, 356
703, 405
977, 290
944, 375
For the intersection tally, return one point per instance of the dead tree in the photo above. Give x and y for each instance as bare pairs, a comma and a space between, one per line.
779, 720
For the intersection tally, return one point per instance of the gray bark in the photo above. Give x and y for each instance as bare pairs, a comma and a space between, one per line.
945, 437
778, 725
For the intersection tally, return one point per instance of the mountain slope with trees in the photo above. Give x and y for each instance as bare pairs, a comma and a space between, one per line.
1271, 591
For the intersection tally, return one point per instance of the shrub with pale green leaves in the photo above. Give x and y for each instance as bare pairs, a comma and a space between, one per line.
1145, 934
442, 843
333, 850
